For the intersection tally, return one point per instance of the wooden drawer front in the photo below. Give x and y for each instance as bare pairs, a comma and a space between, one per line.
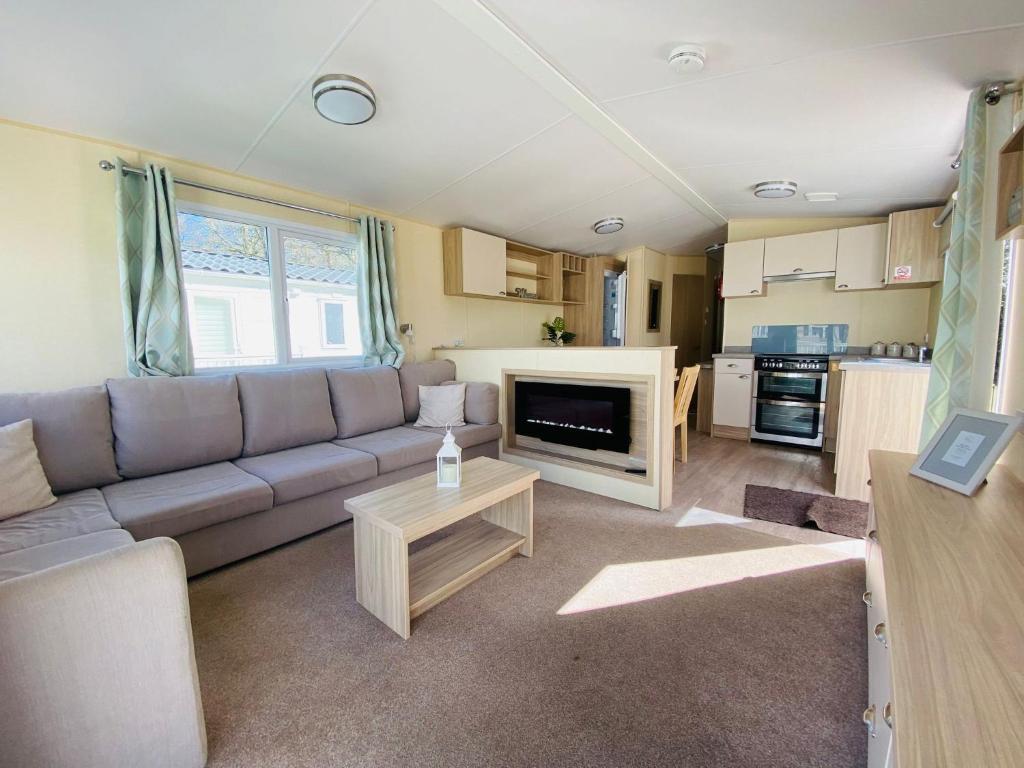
734, 365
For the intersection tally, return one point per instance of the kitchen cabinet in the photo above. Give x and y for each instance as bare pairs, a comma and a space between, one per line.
833, 397
732, 398
474, 263
860, 257
807, 253
705, 398
743, 269
914, 249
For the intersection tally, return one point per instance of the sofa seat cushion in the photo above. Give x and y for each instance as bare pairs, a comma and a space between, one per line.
74, 514
25, 561
396, 448
310, 469
468, 435
179, 502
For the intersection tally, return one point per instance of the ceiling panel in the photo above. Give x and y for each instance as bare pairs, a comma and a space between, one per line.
565, 166
876, 173
846, 103
614, 48
643, 205
191, 79
446, 105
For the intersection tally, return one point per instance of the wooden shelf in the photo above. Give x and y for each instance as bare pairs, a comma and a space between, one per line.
1011, 179
526, 275
448, 565
573, 271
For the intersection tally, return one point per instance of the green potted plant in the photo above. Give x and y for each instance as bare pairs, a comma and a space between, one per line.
556, 332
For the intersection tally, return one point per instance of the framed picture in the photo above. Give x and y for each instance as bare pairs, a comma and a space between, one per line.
964, 449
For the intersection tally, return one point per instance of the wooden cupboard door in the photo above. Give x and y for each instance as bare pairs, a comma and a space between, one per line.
743, 273
860, 257
800, 254
483, 263
915, 256
731, 407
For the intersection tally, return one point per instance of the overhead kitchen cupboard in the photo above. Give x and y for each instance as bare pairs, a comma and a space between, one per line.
743, 269
914, 250
861, 257
804, 254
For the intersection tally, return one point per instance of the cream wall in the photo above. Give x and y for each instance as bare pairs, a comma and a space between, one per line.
60, 305
888, 315
643, 264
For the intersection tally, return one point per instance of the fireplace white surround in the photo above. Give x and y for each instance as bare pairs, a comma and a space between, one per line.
649, 374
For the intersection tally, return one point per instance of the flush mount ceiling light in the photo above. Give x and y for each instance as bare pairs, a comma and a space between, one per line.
608, 226
775, 189
821, 197
687, 58
344, 99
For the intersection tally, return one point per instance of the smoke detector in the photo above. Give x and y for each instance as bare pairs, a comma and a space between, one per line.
775, 189
687, 58
609, 226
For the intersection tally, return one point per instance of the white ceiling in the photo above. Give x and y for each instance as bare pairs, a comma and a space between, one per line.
863, 99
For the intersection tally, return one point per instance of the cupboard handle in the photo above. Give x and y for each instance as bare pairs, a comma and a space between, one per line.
843, 285
745, 376
887, 713
866, 597
873, 535
755, 291
868, 718
798, 269
732, 365
879, 633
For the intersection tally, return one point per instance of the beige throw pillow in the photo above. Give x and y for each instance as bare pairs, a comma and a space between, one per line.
442, 405
23, 484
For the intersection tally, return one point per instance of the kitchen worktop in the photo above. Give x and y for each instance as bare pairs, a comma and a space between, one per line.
899, 364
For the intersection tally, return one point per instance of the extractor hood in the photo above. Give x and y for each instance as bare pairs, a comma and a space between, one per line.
793, 276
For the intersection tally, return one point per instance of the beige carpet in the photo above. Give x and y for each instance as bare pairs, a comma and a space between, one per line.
625, 641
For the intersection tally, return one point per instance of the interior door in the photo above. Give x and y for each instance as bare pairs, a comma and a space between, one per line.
687, 318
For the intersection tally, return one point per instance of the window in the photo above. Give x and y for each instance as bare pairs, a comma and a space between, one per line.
264, 292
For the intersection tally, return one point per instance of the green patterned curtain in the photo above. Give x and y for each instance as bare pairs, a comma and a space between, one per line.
949, 385
152, 287
378, 294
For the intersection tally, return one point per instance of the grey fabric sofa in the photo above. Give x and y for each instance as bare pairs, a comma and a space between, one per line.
96, 659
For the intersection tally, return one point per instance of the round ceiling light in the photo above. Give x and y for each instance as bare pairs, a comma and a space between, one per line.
775, 189
687, 58
608, 226
344, 99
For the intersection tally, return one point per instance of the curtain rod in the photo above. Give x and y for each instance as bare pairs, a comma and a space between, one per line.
106, 165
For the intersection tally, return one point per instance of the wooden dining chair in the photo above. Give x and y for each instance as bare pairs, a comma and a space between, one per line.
684, 394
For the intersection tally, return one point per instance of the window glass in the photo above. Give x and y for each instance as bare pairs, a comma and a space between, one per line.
226, 265
323, 316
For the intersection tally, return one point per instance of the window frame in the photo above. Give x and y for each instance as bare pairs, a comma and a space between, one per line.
277, 230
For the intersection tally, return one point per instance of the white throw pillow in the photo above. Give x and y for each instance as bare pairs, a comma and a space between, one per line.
442, 405
23, 484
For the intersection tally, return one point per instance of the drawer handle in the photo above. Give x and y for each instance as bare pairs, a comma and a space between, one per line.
868, 718
745, 376
732, 365
873, 535
866, 597
842, 285
799, 269
887, 714
755, 291
879, 632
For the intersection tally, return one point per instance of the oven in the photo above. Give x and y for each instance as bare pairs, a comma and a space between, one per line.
788, 403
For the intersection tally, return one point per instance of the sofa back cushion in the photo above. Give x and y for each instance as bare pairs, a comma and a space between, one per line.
430, 374
366, 399
162, 424
481, 401
284, 409
72, 432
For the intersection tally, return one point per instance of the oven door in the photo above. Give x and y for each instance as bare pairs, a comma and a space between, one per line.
799, 387
787, 421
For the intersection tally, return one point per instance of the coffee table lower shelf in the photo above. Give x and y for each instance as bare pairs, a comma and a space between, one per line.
442, 569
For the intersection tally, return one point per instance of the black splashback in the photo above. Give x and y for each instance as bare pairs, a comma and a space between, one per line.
579, 415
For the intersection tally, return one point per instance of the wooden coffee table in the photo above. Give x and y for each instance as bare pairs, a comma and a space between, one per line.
395, 586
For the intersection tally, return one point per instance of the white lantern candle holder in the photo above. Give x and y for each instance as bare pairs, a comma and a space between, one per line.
449, 461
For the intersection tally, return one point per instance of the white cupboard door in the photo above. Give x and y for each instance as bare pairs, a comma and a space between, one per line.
732, 400
483, 263
742, 271
860, 257
800, 254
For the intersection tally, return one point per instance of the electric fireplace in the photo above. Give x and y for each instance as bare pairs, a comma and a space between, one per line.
579, 415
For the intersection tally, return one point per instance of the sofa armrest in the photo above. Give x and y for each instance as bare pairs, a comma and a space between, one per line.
481, 402
97, 666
